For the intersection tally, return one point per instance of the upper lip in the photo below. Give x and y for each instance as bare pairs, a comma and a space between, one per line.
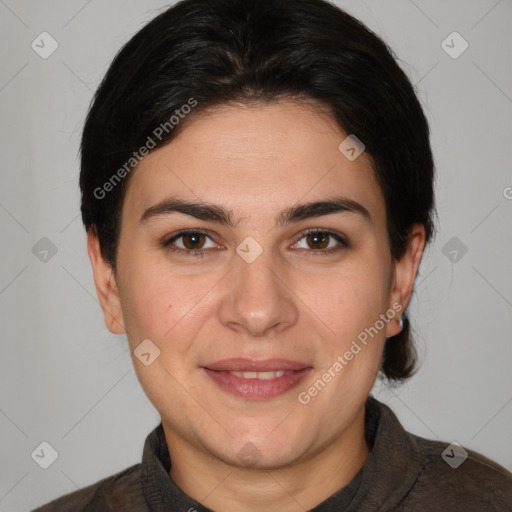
253, 365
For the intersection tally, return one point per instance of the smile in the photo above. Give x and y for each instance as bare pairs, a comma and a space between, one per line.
256, 380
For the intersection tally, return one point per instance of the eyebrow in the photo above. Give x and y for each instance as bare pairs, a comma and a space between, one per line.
214, 213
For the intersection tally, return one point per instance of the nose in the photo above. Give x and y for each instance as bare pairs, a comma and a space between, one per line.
258, 298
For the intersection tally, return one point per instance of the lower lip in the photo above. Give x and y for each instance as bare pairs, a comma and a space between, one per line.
256, 389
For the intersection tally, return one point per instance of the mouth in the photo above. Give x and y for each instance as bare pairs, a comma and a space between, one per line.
256, 380
262, 375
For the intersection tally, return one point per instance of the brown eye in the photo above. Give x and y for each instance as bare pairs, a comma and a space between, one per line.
321, 242
193, 240
318, 240
190, 242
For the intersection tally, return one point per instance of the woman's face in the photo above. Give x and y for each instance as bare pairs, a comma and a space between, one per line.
285, 265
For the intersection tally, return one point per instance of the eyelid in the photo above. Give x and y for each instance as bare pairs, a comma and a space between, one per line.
167, 241
341, 239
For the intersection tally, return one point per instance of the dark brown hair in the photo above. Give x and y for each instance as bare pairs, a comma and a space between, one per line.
225, 51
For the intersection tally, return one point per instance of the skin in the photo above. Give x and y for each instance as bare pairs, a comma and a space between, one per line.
292, 302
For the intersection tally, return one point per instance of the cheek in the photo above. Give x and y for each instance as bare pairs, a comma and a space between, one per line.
153, 306
160, 304
349, 300
147, 300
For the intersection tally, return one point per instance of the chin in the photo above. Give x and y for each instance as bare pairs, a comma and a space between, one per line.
267, 449
256, 456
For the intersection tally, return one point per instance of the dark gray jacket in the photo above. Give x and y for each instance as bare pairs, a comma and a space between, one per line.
402, 473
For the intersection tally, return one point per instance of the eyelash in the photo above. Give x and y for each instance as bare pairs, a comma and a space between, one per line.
200, 253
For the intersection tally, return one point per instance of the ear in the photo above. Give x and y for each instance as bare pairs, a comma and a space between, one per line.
405, 271
106, 286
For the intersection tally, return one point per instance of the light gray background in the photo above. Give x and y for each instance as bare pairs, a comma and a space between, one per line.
67, 381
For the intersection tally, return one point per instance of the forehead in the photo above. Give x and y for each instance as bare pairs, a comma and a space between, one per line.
255, 157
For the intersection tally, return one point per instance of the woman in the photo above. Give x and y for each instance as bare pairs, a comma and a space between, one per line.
257, 190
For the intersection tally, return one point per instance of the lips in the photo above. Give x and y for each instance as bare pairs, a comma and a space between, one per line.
256, 380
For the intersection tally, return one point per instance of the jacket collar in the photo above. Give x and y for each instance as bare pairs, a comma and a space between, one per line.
387, 476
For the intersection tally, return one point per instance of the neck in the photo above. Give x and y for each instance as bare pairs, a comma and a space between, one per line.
299, 486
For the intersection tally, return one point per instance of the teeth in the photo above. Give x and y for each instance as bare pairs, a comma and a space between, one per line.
262, 375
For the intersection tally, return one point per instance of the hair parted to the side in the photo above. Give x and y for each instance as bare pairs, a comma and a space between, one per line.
240, 51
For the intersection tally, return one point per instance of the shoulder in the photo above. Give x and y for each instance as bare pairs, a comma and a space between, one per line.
460, 478
118, 492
